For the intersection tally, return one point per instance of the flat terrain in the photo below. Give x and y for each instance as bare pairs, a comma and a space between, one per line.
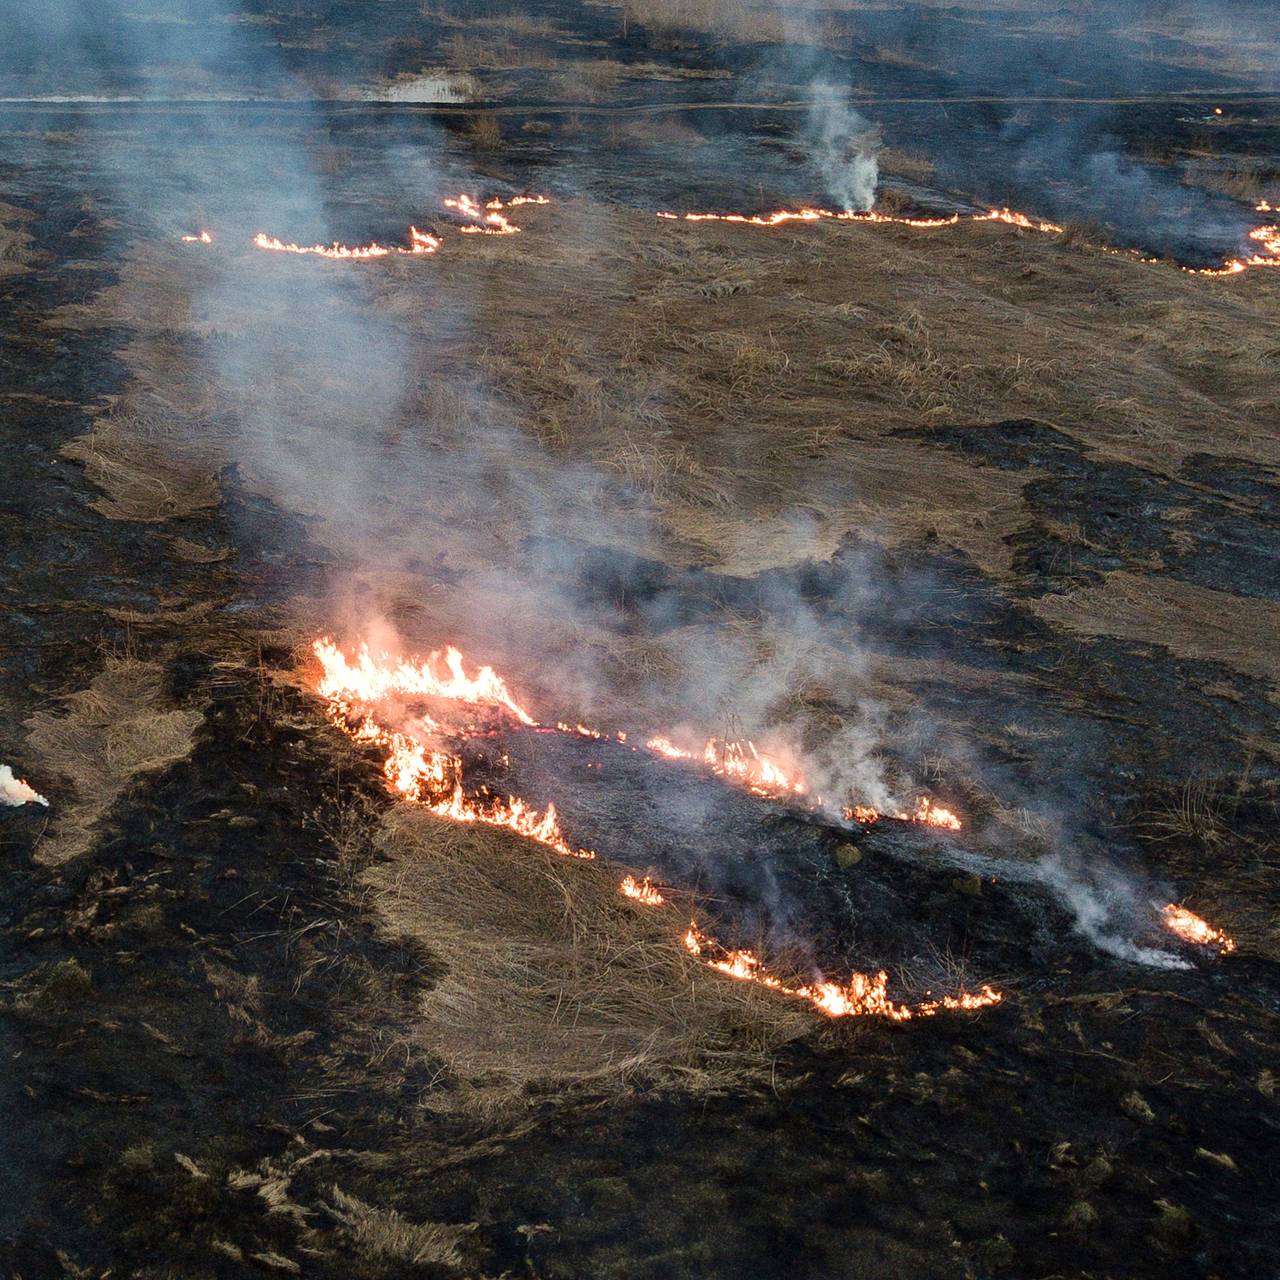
973, 510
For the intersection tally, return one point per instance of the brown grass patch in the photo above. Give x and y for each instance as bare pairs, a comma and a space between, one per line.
383, 1235
14, 241
1190, 621
148, 467
483, 133
100, 740
554, 979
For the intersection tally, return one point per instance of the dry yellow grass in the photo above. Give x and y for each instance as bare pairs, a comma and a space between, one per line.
716, 396
1190, 621
553, 978
99, 740
383, 1235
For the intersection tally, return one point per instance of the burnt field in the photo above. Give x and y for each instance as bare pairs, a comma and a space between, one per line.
893, 607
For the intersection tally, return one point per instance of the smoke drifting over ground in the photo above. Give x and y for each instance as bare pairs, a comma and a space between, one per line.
332, 407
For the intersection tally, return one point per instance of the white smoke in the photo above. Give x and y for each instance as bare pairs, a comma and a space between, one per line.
1107, 907
13, 791
844, 148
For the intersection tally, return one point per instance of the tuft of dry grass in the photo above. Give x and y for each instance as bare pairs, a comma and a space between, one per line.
556, 980
383, 1235
100, 740
1200, 813
483, 133
15, 253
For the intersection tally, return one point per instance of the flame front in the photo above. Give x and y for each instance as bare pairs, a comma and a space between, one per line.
781, 217
1268, 237
435, 700
864, 995
420, 244
1191, 928
203, 237
417, 766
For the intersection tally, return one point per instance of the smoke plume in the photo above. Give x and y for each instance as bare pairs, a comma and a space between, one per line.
14, 791
844, 148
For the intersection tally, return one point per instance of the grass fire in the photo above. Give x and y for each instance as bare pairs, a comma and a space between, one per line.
638, 639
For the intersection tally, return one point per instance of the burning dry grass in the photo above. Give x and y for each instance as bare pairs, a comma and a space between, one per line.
555, 979
99, 740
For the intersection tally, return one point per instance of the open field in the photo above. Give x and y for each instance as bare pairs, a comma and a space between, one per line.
846, 844
974, 510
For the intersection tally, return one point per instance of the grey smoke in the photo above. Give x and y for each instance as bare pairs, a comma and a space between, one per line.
1108, 908
844, 147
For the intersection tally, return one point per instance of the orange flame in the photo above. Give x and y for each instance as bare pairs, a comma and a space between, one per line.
1267, 236
782, 216
420, 244
863, 995
490, 221
926, 813
202, 238
1191, 928
739, 762
371, 680
415, 769
641, 890
361, 693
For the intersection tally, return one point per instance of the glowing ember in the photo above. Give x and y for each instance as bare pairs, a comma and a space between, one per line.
202, 238
641, 891
862, 996
1191, 928
420, 244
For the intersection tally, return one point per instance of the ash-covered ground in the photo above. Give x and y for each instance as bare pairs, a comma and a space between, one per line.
982, 513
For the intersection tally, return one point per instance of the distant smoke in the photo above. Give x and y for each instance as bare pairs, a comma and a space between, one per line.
13, 791
844, 148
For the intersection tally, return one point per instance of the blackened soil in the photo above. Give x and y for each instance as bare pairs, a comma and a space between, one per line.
1218, 528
